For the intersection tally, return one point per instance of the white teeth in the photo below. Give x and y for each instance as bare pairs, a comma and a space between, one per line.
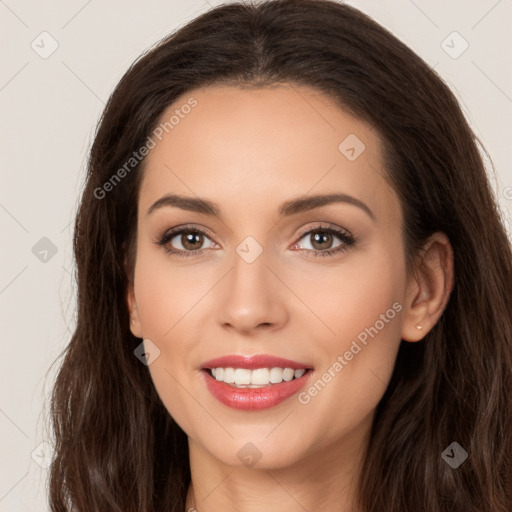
276, 375
259, 377
242, 376
288, 374
229, 375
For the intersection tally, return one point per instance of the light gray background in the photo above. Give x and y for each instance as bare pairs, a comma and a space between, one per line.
49, 110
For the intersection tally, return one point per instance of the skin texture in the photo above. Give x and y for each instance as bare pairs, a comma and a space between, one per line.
249, 151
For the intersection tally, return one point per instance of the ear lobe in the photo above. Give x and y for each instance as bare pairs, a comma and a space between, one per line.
135, 325
430, 288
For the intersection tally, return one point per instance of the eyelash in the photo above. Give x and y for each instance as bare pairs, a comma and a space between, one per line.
347, 239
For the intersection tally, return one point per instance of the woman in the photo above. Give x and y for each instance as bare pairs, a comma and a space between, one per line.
218, 362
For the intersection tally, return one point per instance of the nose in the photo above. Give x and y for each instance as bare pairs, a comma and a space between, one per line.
253, 297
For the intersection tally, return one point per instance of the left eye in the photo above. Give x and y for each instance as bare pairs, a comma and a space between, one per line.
322, 237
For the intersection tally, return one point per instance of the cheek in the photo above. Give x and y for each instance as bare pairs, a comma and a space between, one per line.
166, 292
169, 302
364, 311
350, 297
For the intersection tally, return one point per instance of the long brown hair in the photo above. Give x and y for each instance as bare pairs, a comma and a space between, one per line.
116, 446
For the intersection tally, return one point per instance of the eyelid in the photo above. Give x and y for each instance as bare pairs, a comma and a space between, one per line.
186, 227
323, 225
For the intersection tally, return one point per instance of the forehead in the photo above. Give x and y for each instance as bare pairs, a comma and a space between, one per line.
261, 146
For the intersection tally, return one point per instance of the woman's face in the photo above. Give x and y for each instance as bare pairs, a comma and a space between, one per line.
258, 278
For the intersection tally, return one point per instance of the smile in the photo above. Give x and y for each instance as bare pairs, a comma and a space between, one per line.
254, 382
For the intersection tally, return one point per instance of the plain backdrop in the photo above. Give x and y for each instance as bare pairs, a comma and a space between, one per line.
50, 104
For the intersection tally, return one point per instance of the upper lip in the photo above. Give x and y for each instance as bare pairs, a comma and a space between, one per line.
254, 361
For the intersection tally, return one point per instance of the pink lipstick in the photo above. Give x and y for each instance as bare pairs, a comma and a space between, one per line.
254, 382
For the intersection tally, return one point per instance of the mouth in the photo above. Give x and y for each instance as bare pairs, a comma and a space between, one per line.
254, 382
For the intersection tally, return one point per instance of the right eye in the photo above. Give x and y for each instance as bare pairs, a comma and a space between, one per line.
188, 238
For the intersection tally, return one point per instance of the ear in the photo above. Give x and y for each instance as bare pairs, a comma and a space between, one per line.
129, 269
429, 289
135, 325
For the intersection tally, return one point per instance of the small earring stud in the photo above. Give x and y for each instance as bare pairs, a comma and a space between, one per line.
419, 327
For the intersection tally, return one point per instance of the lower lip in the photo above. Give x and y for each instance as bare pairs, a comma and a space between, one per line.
254, 399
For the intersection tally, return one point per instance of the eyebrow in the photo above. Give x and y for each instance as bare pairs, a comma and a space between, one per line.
291, 207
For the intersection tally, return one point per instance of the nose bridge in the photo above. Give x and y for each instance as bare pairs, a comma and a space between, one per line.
252, 289
250, 263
